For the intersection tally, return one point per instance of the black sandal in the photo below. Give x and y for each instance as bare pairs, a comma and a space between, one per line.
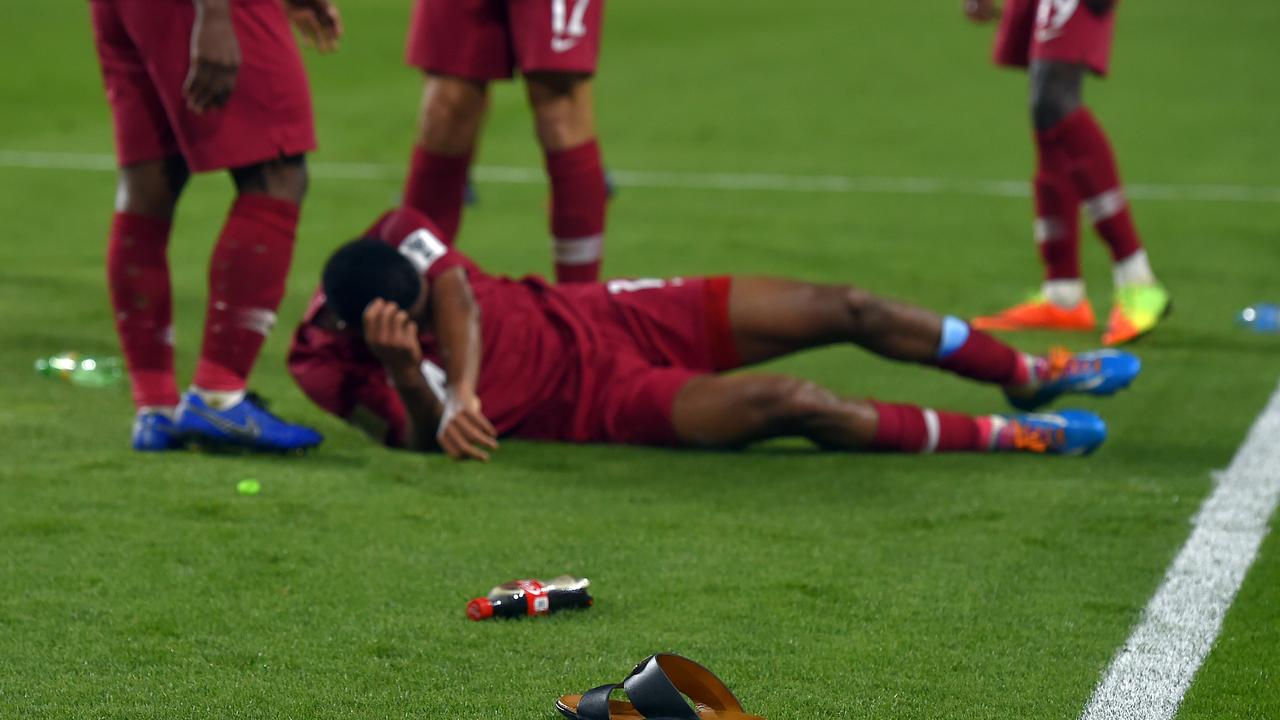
657, 689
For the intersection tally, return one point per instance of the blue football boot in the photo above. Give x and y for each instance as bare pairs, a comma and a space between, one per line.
156, 432
246, 425
1101, 372
1069, 432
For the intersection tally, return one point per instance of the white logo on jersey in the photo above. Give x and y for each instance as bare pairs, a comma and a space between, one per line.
1052, 16
560, 45
422, 249
617, 287
567, 28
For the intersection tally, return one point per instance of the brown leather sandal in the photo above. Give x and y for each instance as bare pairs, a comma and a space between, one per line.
657, 689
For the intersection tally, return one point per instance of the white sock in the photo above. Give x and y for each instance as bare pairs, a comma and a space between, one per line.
1133, 270
998, 424
166, 410
1066, 294
219, 399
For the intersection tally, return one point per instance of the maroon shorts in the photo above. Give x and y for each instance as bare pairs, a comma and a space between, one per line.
487, 39
655, 336
144, 47
1055, 30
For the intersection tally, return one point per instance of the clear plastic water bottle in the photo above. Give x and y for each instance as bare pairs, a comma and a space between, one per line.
520, 598
82, 370
1261, 318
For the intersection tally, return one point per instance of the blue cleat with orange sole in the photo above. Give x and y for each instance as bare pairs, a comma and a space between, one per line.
1101, 372
1069, 432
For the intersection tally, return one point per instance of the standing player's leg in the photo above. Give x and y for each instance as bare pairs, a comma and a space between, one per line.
564, 119
1061, 303
151, 178
772, 317
452, 114
460, 45
733, 410
1063, 41
261, 132
557, 44
141, 293
1067, 131
247, 274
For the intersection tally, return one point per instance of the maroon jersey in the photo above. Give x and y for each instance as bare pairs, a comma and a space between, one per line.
1068, 31
590, 362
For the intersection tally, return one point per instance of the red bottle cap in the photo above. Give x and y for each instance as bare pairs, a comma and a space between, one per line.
480, 609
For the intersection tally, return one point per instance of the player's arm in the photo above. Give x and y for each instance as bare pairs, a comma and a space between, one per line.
215, 57
392, 336
981, 10
464, 430
318, 21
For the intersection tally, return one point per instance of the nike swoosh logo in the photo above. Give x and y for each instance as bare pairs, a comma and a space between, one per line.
563, 44
249, 430
1089, 383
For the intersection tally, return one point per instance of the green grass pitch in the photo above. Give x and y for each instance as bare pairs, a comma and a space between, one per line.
818, 585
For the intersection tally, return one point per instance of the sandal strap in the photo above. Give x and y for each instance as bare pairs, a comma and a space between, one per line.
594, 704
656, 684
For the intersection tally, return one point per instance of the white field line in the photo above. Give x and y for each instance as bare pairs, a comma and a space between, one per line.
767, 182
1151, 673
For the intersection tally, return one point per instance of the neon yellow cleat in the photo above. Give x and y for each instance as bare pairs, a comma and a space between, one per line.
1136, 312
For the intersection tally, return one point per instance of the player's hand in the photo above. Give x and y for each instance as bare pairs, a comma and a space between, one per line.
465, 433
319, 22
392, 337
981, 10
215, 60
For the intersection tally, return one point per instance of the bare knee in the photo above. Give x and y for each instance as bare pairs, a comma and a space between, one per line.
563, 113
283, 178
152, 188
1055, 92
866, 315
452, 112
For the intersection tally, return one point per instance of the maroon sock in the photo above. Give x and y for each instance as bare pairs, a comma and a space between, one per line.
138, 276
912, 429
436, 187
578, 198
1097, 181
246, 283
1057, 226
986, 359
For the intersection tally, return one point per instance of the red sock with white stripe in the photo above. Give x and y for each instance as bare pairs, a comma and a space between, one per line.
138, 278
578, 199
436, 187
246, 284
912, 429
1097, 180
1057, 204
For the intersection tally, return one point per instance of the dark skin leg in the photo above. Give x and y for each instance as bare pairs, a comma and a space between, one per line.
1056, 92
563, 110
773, 317
283, 179
452, 114
151, 189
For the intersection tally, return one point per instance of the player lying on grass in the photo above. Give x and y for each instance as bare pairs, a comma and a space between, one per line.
413, 343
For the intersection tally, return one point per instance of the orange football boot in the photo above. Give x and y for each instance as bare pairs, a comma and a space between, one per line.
1037, 313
